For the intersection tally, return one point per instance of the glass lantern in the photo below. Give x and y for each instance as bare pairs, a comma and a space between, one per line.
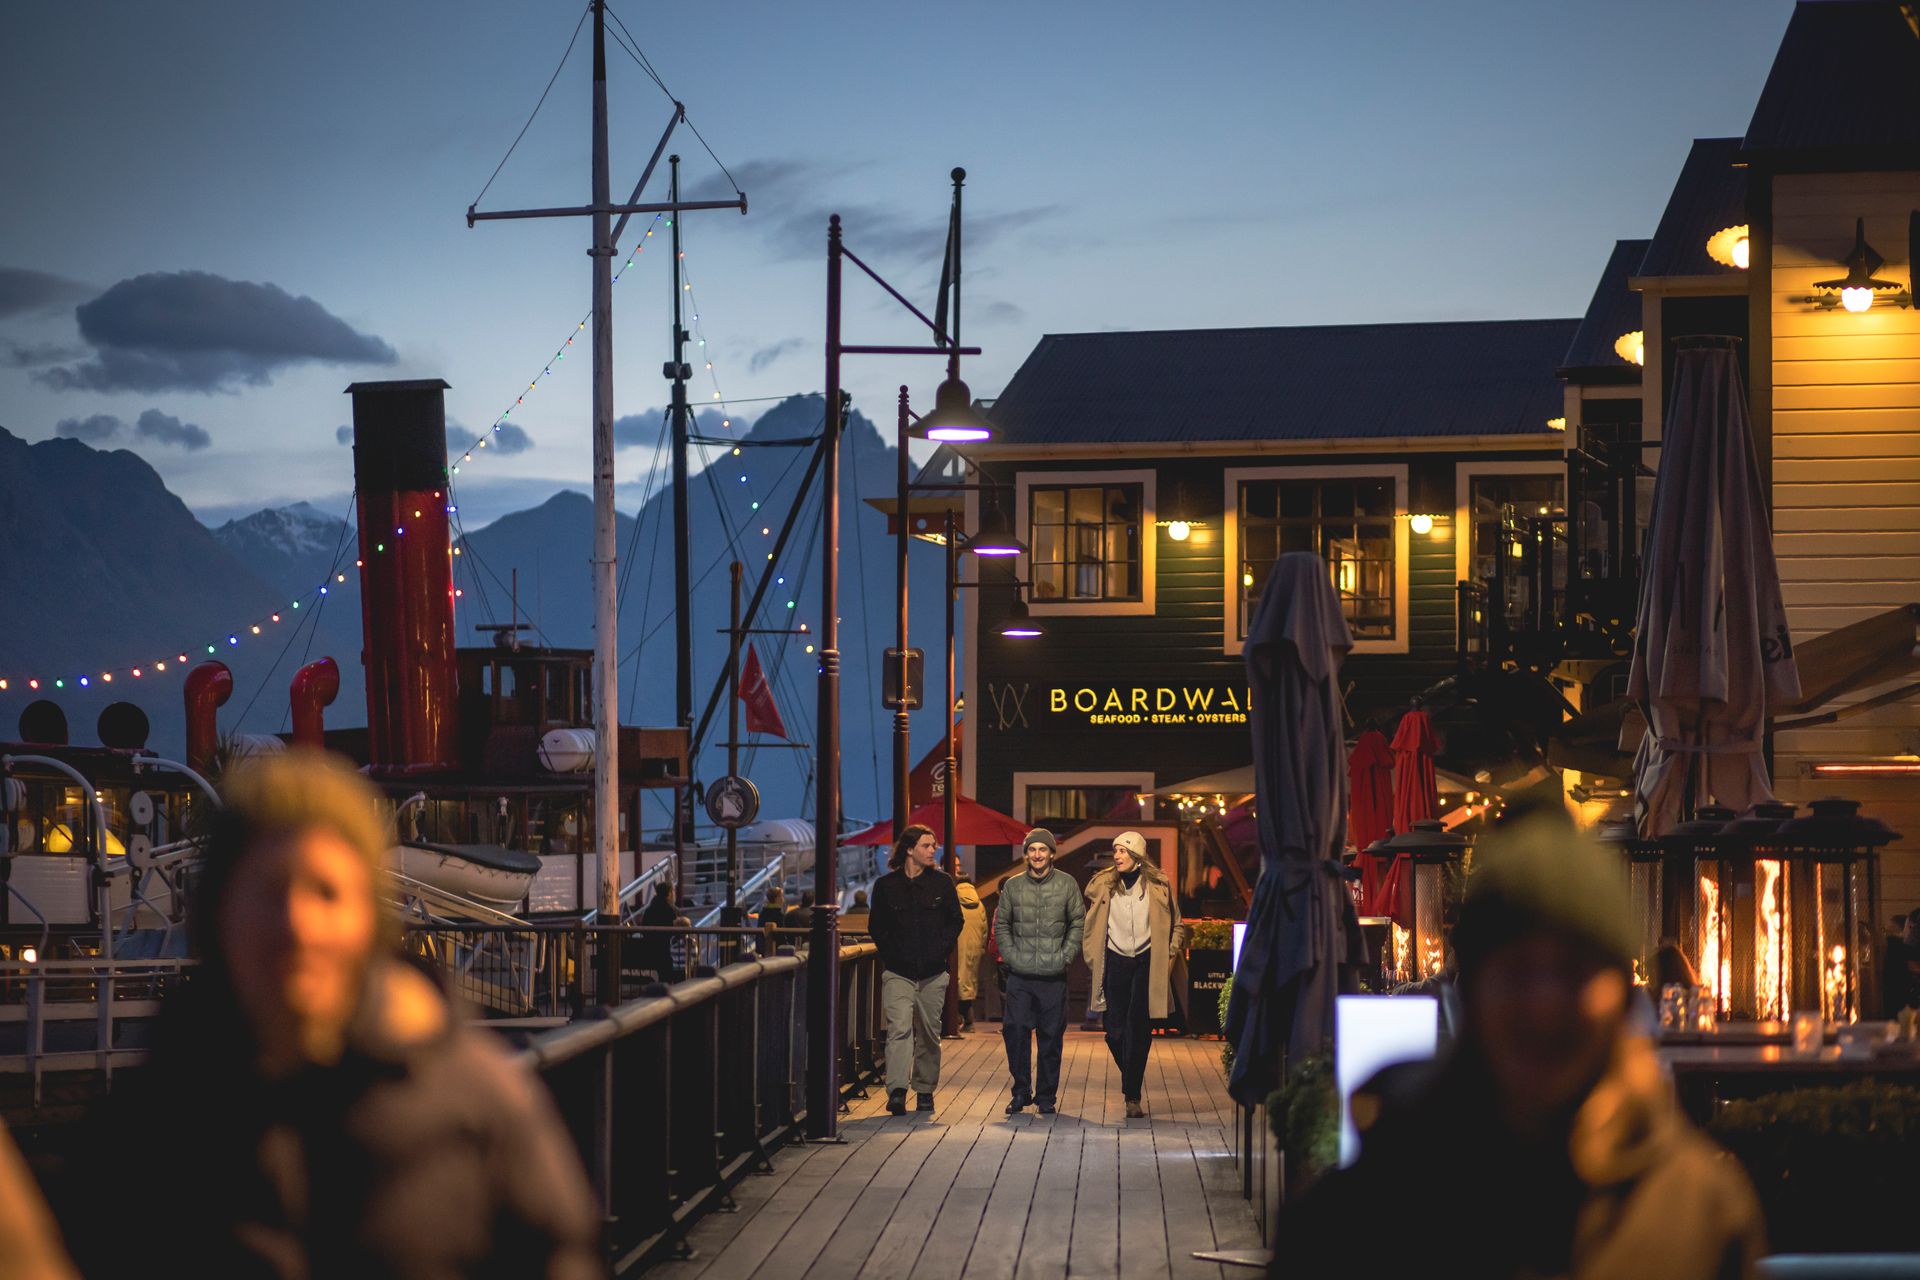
1690, 893
1644, 862
1833, 861
1435, 857
1753, 946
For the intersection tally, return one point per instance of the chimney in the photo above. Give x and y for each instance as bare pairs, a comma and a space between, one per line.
314, 688
406, 575
209, 685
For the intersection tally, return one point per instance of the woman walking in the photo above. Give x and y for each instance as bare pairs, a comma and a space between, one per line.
1134, 930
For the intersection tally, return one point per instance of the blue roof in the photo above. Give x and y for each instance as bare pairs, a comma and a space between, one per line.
1615, 310
1322, 382
1845, 85
1709, 196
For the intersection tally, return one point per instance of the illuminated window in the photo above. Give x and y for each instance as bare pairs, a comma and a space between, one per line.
1085, 542
1058, 808
1499, 511
1347, 521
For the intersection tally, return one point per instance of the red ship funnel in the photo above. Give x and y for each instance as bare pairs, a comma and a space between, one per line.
208, 687
406, 575
314, 688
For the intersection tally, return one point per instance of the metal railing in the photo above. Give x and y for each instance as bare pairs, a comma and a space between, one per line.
755, 886
674, 1097
80, 1014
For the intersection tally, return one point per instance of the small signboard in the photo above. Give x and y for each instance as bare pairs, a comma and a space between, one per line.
732, 801
890, 679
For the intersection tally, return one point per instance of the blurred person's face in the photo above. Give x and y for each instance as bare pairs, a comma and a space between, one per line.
298, 929
1123, 859
1910, 932
1546, 1013
1039, 859
925, 850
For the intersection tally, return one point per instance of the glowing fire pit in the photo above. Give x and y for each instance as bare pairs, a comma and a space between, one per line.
1434, 856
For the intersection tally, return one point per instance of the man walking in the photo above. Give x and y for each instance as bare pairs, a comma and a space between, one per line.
1038, 926
914, 921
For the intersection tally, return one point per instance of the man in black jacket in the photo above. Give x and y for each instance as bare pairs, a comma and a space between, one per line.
915, 921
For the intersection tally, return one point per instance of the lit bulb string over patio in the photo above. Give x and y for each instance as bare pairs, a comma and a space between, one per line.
175, 660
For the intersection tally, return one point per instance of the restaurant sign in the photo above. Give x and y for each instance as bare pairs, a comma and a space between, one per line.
1146, 705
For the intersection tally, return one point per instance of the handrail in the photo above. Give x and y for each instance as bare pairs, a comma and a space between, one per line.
92, 796
174, 766
637, 886
431, 894
756, 882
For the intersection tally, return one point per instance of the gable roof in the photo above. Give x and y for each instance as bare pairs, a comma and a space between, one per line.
1709, 195
1845, 84
1322, 382
1614, 310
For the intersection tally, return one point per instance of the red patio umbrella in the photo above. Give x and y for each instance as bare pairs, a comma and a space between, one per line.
1415, 799
1369, 805
973, 823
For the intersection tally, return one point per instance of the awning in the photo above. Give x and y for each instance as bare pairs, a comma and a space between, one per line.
1239, 782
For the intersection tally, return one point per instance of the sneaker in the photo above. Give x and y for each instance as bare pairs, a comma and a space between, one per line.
1017, 1104
1134, 1110
924, 1102
1044, 1108
897, 1102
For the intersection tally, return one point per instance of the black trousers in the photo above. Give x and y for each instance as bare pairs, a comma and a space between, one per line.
1129, 1025
1034, 1007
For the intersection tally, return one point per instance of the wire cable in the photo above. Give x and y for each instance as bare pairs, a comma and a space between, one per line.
536, 106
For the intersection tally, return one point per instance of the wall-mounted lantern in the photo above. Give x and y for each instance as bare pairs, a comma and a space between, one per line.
1858, 286
1729, 247
1631, 347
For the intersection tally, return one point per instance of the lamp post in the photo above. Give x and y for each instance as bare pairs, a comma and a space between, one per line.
953, 410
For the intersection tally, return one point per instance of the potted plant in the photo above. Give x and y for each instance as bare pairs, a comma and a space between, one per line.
1209, 970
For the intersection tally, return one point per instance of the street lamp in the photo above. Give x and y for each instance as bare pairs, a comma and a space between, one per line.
823, 959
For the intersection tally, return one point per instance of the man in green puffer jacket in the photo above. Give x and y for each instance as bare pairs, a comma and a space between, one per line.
1037, 926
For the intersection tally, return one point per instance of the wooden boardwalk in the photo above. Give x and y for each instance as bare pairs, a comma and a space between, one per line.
971, 1192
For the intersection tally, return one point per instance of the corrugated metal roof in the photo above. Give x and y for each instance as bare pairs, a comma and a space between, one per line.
1332, 382
1846, 81
1615, 310
1710, 195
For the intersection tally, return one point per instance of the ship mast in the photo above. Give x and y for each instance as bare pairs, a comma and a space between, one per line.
606, 654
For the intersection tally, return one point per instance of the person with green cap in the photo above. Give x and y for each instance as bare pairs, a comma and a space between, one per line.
1547, 1143
1038, 926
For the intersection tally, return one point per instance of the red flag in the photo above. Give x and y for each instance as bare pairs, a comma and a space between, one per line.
757, 697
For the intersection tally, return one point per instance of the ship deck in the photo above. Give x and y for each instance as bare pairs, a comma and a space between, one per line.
971, 1192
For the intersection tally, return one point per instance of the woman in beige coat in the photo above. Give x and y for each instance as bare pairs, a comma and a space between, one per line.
1134, 933
972, 946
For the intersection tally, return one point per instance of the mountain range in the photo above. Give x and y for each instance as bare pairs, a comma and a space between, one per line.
104, 562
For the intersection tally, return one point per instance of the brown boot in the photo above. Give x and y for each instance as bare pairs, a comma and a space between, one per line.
1134, 1110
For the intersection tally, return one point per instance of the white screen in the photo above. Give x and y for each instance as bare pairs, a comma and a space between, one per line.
1372, 1032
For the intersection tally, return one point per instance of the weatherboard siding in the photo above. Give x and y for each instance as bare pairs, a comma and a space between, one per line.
1846, 471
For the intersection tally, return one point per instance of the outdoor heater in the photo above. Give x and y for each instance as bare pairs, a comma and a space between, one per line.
1645, 862
1434, 857
1785, 909
1685, 898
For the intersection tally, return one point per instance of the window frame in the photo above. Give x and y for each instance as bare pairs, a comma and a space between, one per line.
1464, 473
1232, 478
1026, 481
1140, 780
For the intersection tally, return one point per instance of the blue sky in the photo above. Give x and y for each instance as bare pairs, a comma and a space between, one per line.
1131, 165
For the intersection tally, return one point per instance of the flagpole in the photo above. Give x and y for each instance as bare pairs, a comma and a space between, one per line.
732, 913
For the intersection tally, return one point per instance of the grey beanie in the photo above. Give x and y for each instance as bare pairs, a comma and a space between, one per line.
1539, 873
1040, 835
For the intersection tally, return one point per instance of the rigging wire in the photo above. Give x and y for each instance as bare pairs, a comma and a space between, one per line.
633, 50
312, 615
536, 106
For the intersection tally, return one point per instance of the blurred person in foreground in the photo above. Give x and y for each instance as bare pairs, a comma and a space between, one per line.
1547, 1143
315, 1107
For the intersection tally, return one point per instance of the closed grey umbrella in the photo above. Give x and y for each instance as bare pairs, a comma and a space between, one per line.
1711, 648
1301, 927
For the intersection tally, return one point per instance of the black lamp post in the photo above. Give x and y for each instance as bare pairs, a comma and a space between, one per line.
952, 399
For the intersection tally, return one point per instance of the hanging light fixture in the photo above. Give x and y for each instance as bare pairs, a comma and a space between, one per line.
996, 536
1631, 347
1019, 624
1729, 247
1858, 286
954, 420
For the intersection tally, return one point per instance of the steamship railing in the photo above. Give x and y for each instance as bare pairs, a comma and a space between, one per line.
673, 1097
754, 888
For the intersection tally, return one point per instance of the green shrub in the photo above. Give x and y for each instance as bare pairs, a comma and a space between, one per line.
1210, 935
1834, 1166
1226, 1050
1305, 1116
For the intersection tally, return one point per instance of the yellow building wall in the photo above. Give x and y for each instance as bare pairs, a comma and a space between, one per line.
1846, 473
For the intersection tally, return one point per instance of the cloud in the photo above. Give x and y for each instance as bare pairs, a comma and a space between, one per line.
644, 430
94, 430
765, 356
343, 434
167, 429
507, 438
154, 425
22, 291
997, 311
798, 192
15, 355
195, 331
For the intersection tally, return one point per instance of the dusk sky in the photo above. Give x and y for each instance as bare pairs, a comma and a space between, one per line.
180, 178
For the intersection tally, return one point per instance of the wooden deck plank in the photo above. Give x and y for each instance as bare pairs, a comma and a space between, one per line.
971, 1192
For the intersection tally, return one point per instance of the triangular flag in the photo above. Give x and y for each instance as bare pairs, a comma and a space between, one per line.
757, 697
